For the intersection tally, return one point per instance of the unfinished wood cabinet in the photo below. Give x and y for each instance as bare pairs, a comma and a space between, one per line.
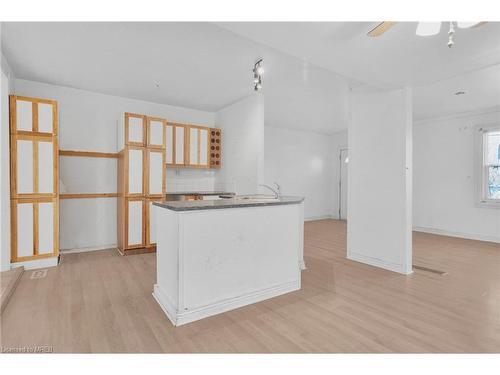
192, 146
34, 178
141, 179
175, 144
198, 142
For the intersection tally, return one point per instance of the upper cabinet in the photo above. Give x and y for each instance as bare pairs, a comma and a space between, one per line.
156, 132
198, 141
193, 146
32, 116
175, 144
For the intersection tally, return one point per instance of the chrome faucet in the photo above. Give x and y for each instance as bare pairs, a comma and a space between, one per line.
276, 192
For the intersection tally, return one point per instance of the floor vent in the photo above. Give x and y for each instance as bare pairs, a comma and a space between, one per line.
430, 270
38, 274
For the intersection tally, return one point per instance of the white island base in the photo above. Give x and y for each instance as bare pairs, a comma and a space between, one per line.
214, 260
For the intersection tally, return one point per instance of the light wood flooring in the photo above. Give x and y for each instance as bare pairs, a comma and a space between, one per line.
102, 302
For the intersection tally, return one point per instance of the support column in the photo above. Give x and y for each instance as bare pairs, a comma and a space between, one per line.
379, 219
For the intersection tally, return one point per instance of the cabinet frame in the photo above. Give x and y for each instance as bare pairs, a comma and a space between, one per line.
148, 132
128, 246
35, 101
14, 228
13, 165
127, 172
146, 181
187, 142
127, 125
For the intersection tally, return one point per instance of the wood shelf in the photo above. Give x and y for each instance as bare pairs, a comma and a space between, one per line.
88, 154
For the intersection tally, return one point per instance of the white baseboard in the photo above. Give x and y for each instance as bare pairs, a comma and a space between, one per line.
179, 318
86, 249
399, 268
469, 236
321, 217
35, 264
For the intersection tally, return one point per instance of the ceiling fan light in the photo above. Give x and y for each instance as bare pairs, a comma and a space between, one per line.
466, 25
428, 28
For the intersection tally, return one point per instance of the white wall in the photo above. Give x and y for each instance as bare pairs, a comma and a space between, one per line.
242, 125
302, 163
379, 195
87, 121
5, 74
444, 179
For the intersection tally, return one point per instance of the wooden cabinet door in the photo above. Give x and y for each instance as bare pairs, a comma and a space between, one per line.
135, 129
204, 137
156, 132
151, 223
156, 175
35, 228
169, 144
193, 146
135, 222
199, 140
33, 115
135, 175
179, 139
34, 166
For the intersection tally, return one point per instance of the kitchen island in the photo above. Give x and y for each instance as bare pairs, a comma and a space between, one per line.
215, 256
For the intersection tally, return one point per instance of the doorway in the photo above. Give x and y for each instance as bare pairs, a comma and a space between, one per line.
342, 198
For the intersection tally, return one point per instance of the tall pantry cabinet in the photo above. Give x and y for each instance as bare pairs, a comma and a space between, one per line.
34, 179
141, 180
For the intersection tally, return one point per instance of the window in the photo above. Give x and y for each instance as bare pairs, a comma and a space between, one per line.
489, 184
492, 164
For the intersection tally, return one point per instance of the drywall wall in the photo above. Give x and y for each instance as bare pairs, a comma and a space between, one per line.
302, 163
379, 186
87, 121
444, 179
5, 81
242, 125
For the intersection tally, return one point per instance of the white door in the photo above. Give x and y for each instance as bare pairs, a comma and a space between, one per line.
155, 172
135, 223
193, 146
179, 145
169, 144
343, 163
155, 133
135, 171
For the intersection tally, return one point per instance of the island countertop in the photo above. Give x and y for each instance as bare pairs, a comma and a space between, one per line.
227, 203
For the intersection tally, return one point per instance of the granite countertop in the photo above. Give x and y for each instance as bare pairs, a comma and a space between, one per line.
199, 193
226, 203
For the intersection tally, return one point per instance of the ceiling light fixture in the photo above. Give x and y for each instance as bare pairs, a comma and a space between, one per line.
258, 71
459, 93
433, 28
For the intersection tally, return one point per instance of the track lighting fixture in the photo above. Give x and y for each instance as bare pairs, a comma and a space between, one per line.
258, 70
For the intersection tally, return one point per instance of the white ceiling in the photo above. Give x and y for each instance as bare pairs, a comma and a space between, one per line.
393, 60
197, 65
207, 66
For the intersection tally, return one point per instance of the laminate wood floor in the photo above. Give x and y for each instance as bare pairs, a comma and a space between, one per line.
102, 302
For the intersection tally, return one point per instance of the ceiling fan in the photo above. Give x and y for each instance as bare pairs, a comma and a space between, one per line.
426, 28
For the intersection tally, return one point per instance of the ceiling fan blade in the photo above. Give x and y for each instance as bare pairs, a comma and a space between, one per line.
381, 28
470, 25
428, 28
